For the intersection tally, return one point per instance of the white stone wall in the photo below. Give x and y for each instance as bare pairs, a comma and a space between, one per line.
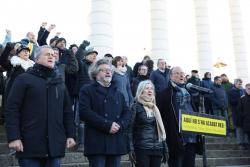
100, 20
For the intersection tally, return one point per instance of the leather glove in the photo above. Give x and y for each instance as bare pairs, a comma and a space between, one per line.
165, 157
132, 157
85, 43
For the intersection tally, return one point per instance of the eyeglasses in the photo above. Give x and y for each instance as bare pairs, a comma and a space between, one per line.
106, 70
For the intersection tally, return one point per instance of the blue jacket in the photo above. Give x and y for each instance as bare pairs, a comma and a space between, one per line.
123, 85
6, 39
98, 108
206, 83
160, 79
219, 98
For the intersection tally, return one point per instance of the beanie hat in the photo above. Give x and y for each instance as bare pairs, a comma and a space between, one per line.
22, 47
90, 50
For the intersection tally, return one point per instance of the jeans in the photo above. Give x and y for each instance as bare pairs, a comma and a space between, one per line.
186, 159
104, 161
39, 162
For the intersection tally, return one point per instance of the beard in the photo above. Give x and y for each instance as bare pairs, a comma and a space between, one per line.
107, 79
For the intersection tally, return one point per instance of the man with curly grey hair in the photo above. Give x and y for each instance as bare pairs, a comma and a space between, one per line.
105, 113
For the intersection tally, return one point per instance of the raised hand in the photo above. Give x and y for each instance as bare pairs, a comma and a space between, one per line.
58, 34
51, 27
8, 31
43, 25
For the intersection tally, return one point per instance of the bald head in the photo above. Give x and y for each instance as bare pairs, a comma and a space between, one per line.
177, 75
31, 36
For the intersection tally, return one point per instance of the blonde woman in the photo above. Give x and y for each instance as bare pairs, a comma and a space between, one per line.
147, 133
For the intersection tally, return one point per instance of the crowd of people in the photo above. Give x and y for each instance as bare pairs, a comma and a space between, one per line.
55, 97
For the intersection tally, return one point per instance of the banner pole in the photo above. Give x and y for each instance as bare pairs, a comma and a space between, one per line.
204, 152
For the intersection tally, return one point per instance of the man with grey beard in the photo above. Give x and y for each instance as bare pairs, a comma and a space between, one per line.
105, 113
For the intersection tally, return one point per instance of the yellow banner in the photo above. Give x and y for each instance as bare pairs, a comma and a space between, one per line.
200, 124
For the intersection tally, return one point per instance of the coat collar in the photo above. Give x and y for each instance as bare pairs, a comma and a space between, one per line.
25, 64
46, 73
111, 89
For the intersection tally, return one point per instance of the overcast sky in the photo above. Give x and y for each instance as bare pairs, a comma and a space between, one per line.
131, 25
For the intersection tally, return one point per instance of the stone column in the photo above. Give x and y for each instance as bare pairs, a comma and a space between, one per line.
239, 41
203, 37
101, 29
159, 30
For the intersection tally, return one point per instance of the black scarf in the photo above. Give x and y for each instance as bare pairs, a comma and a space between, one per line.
42, 71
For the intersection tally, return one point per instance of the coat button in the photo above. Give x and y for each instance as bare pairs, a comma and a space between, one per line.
106, 114
105, 121
105, 101
117, 116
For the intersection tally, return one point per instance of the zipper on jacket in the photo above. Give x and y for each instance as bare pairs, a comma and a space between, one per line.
57, 93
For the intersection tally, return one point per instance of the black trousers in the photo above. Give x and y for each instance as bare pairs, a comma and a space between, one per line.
104, 161
186, 159
248, 137
145, 160
208, 106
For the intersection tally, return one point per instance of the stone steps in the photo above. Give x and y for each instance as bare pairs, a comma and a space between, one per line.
123, 164
221, 151
72, 157
219, 139
226, 153
235, 166
79, 159
222, 146
212, 162
224, 161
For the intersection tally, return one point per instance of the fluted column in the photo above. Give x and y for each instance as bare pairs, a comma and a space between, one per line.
238, 41
159, 30
203, 36
101, 29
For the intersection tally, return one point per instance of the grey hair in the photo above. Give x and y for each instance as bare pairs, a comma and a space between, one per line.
94, 69
237, 80
39, 50
28, 33
142, 85
248, 84
158, 61
172, 70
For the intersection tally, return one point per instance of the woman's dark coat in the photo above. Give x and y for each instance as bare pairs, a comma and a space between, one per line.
143, 132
